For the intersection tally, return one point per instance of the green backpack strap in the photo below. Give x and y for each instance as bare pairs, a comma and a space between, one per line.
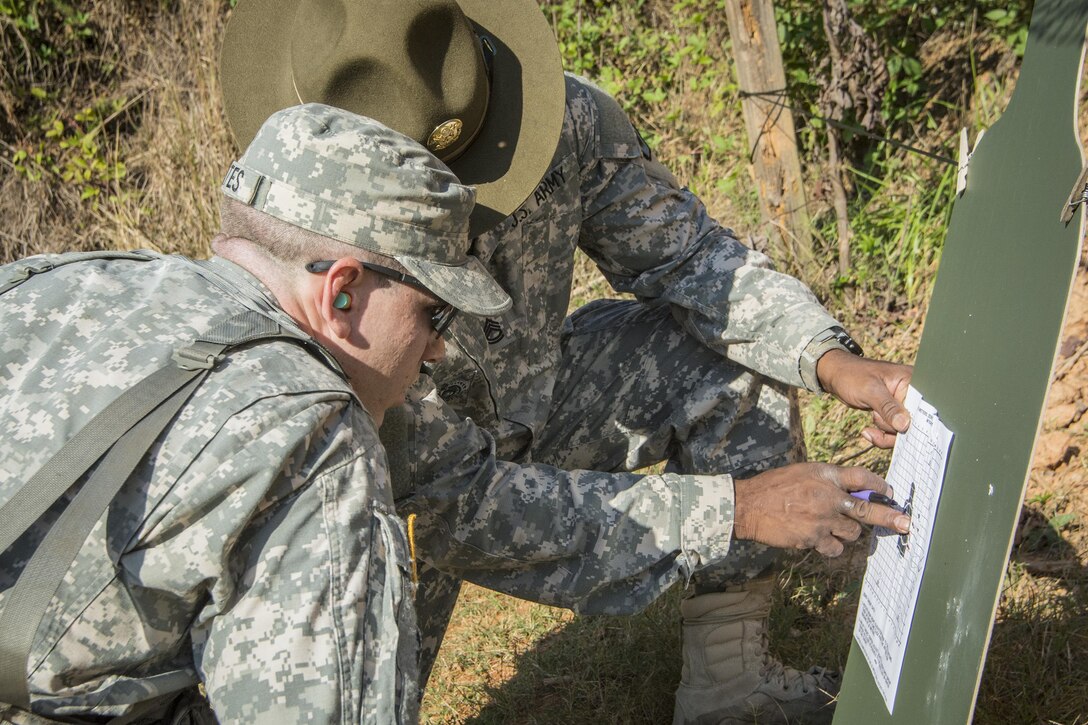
14, 274
119, 436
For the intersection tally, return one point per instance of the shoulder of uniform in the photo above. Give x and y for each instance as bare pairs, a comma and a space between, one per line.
615, 136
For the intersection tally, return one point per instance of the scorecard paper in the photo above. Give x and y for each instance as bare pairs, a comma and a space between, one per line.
894, 570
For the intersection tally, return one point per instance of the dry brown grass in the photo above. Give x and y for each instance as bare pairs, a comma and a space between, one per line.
171, 135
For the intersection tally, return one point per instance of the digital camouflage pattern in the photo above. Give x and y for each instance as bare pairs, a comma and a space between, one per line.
256, 550
515, 457
350, 178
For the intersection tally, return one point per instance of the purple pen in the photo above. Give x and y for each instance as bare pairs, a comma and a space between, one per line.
874, 497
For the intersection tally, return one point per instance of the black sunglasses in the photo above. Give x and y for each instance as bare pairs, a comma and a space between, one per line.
440, 320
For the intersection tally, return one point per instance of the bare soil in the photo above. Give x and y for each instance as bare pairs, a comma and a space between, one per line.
1038, 657
1058, 468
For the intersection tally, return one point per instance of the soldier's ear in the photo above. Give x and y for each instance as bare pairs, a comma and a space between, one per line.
341, 298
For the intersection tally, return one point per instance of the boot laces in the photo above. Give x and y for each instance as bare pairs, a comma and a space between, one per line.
774, 672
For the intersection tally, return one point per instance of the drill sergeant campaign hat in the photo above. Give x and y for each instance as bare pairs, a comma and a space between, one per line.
478, 82
352, 179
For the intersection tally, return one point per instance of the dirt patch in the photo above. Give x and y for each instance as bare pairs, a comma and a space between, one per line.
1040, 635
1058, 485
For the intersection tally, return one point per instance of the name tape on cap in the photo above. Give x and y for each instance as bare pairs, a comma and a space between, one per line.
242, 184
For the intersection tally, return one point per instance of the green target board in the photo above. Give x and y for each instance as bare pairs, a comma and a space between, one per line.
985, 361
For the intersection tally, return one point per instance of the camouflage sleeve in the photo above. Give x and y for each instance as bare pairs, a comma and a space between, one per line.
655, 240
316, 622
589, 541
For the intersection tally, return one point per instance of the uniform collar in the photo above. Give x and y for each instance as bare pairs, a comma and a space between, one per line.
250, 291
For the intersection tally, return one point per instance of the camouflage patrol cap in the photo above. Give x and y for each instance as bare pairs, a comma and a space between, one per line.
352, 179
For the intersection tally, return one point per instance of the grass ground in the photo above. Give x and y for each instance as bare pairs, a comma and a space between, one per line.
112, 135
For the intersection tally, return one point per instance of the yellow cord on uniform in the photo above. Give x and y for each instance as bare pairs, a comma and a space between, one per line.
412, 546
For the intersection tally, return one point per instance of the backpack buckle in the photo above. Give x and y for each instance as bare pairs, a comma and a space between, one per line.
196, 357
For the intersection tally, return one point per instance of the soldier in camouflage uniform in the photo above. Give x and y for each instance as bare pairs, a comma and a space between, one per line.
516, 454
255, 554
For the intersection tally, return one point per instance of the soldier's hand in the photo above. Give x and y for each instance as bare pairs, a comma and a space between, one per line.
871, 385
809, 506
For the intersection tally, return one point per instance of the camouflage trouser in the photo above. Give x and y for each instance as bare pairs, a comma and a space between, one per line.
636, 390
188, 707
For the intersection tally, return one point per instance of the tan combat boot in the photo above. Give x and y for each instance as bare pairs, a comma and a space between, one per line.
729, 677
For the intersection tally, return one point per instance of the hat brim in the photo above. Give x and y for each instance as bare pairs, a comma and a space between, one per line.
517, 141
467, 287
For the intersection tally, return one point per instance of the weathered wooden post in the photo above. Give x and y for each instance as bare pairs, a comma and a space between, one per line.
772, 142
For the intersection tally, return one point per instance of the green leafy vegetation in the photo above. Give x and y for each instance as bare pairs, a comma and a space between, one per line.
900, 202
668, 63
606, 41
62, 108
76, 153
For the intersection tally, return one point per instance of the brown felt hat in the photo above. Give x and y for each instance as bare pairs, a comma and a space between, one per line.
478, 82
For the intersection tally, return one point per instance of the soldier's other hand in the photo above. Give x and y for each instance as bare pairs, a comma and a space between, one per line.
871, 385
809, 506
